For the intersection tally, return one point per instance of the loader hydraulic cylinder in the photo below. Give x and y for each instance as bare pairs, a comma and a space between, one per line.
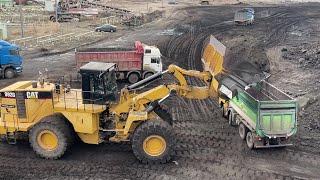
146, 81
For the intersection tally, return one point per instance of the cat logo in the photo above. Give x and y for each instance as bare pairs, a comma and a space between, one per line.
32, 95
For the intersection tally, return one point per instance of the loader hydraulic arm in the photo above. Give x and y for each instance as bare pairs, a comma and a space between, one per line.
139, 102
134, 107
190, 91
180, 74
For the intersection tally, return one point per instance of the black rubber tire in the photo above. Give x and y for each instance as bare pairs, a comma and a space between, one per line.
243, 130
147, 75
164, 114
62, 122
60, 128
146, 129
133, 78
52, 18
222, 111
250, 140
9, 73
230, 118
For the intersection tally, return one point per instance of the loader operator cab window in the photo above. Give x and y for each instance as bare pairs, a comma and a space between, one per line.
98, 83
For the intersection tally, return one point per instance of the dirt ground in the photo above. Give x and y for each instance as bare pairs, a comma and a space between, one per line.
284, 41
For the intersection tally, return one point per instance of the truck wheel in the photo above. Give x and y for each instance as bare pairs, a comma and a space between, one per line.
52, 18
250, 140
147, 75
153, 142
133, 78
231, 118
75, 20
222, 111
9, 73
243, 130
50, 138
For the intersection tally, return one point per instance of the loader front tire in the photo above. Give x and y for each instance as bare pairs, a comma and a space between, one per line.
153, 142
50, 138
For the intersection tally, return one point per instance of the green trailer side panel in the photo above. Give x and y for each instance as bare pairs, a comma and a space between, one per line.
248, 105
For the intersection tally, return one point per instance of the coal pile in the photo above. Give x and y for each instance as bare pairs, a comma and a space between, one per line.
306, 55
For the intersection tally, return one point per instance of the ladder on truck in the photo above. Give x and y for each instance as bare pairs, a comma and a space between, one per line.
10, 136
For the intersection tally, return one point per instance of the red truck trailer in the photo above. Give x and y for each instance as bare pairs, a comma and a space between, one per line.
132, 64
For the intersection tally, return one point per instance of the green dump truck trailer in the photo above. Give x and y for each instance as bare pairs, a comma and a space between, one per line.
265, 116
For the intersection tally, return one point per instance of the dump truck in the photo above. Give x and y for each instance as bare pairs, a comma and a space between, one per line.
244, 16
204, 2
132, 64
10, 60
264, 115
54, 114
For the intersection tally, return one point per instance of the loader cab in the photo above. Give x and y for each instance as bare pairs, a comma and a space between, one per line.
98, 83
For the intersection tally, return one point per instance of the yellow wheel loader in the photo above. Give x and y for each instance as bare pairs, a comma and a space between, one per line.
53, 114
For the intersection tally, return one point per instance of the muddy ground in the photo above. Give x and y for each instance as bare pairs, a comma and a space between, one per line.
284, 41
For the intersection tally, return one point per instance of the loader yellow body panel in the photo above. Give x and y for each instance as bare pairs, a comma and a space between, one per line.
40, 102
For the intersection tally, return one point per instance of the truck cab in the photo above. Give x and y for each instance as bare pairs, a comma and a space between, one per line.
10, 60
152, 59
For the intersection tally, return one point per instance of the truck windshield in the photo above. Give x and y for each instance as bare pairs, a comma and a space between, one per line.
14, 52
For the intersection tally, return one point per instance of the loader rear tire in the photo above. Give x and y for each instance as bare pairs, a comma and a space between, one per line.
62, 122
153, 142
51, 138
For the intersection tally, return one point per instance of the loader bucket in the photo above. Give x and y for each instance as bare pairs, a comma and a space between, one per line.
213, 56
215, 61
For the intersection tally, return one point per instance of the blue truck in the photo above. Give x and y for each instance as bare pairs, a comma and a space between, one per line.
10, 60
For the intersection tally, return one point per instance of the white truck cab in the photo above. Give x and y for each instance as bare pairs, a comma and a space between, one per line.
151, 60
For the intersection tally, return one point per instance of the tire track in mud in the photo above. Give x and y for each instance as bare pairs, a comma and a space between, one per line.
206, 146
222, 139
